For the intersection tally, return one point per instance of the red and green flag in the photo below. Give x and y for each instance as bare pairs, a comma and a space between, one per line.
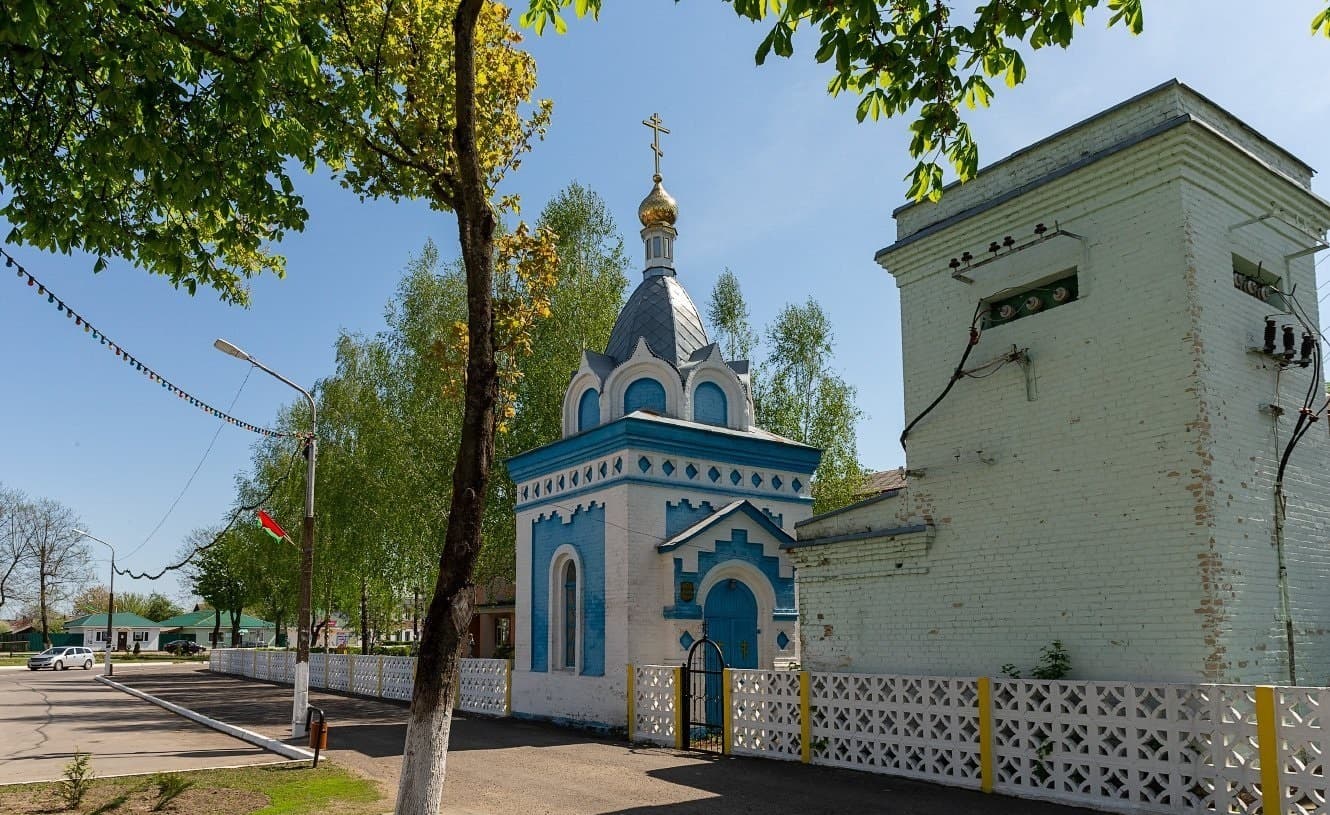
270, 526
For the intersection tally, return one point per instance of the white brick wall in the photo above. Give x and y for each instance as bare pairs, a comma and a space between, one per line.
1127, 509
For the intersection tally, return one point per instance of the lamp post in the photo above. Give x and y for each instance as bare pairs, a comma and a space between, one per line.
301, 701
110, 598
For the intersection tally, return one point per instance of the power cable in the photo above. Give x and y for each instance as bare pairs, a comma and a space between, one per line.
240, 510
194, 474
956, 375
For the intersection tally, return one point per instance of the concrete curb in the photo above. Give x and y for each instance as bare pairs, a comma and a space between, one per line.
256, 739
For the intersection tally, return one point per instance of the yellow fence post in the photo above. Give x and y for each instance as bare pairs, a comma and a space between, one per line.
678, 709
985, 703
805, 719
379, 691
727, 711
1267, 739
254, 671
350, 673
508, 688
632, 700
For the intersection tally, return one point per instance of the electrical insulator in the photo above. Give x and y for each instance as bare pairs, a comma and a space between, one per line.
1007, 311
1033, 304
1288, 342
1305, 352
1061, 294
1251, 287
1238, 280
1269, 347
1265, 293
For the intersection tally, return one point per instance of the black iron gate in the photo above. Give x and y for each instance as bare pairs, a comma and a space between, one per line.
704, 697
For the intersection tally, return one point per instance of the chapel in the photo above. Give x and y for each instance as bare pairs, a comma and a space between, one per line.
660, 515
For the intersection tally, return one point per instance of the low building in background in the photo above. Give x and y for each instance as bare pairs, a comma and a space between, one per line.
127, 630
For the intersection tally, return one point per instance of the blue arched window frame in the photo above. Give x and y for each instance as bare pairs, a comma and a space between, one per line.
568, 582
710, 405
588, 410
644, 394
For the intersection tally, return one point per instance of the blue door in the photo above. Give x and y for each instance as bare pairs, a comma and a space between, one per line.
730, 611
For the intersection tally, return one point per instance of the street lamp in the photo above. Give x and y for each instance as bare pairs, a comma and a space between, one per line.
301, 701
110, 597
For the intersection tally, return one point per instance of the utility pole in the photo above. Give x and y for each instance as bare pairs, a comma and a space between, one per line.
110, 598
300, 704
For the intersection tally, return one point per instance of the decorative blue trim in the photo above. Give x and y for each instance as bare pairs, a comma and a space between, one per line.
585, 532
672, 483
656, 434
644, 394
710, 405
683, 514
588, 410
699, 528
871, 534
738, 547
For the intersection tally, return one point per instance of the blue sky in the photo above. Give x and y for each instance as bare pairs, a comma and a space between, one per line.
774, 179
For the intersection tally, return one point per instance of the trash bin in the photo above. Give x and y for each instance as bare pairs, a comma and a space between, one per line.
318, 735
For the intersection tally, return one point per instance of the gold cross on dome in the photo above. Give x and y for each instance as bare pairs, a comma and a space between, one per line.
657, 127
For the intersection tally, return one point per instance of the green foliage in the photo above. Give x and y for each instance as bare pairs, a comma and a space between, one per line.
795, 391
157, 132
728, 314
917, 58
1054, 663
169, 786
78, 778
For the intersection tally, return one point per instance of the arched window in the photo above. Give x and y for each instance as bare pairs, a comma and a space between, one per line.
588, 410
710, 405
644, 394
568, 602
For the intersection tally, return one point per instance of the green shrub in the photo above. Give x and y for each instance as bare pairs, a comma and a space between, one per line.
169, 785
78, 779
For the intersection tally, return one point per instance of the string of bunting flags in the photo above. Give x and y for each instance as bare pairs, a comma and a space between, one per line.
88, 328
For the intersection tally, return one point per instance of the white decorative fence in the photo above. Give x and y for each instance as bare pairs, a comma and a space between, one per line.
1141, 748
483, 683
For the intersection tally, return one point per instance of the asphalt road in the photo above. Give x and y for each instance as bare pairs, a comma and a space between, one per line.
45, 716
513, 766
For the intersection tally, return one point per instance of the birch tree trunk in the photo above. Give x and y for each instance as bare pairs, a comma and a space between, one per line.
449, 616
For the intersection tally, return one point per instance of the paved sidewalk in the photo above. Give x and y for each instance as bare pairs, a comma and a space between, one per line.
45, 716
507, 765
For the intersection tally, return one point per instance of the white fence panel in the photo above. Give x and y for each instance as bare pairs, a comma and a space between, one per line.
365, 679
1304, 741
765, 714
1130, 747
483, 686
916, 726
336, 677
398, 677
654, 693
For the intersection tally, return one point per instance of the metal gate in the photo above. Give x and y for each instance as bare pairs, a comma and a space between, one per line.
703, 697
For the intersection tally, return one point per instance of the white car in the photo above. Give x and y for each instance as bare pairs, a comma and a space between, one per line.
62, 658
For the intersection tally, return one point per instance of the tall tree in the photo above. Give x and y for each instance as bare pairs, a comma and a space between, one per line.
218, 577
158, 132
57, 563
799, 395
14, 553
728, 314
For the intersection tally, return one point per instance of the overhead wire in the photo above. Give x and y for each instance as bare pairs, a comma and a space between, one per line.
956, 375
189, 481
240, 510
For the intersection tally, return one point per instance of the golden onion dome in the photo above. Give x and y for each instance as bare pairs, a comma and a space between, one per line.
658, 208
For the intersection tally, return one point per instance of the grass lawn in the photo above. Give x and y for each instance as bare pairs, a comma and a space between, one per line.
283, 790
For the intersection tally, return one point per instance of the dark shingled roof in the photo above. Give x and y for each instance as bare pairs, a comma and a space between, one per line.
661, 312
884, 481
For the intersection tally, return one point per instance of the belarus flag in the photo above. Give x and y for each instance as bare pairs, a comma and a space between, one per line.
270, 526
